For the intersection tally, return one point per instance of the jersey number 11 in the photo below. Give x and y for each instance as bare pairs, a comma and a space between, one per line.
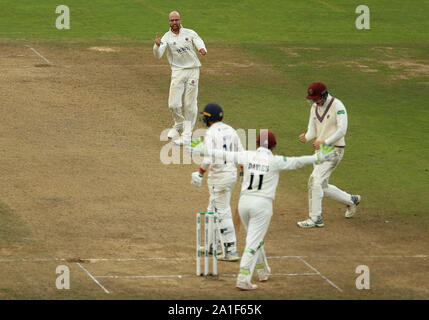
252, 176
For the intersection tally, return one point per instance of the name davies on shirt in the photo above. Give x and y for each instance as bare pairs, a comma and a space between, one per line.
258, 167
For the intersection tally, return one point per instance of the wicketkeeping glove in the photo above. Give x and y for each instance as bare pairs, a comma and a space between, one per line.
197, 179
326, 152
196, 142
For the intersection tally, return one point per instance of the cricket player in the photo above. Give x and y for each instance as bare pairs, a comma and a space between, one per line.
261, 176
328, 125
222, 176
180, 44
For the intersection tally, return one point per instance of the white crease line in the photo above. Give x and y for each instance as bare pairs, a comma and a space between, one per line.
180, 276
35, 51
293, 274
284, 257
33, 260
321, 275
277, 274
184, 259
134, 259
353, 257
91, 276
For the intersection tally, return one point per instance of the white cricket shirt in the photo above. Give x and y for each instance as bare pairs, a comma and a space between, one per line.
180, 49
221, 136
328, 122
262, 169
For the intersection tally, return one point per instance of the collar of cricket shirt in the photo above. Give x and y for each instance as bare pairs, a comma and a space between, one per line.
216, 124
324, 108
264, 149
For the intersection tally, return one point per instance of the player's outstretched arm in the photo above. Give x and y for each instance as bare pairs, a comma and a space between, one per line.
197, 147
325, 153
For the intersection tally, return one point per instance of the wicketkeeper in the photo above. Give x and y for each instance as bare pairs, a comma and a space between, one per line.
261, 176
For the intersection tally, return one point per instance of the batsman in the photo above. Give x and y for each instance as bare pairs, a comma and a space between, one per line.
222, 176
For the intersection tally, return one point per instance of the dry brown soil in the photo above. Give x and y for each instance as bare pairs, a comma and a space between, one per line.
81, 175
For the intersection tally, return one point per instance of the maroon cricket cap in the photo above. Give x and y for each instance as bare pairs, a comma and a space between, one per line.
315, 90
266, 138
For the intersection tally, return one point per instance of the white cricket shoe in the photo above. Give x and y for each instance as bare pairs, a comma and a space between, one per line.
246, 286
173, 133
310, 223
230, 256
243, 284
263, 274
181, 141
351, 209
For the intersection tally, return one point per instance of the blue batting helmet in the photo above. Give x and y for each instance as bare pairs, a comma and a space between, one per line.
212, 113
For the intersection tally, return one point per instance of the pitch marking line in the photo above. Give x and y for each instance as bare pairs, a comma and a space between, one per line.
83, 260
92, 277
180, 276
35, 51
32, 260
321, 275
276, 274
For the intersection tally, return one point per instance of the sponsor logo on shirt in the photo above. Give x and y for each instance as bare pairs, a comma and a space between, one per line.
182, 50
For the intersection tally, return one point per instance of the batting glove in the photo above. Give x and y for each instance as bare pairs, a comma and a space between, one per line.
197, 179
326, 152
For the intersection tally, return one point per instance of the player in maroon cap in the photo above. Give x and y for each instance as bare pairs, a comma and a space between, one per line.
327, 125
261, 176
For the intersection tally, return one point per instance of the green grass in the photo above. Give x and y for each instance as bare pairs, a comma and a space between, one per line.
385, 160
387, 156
251, 21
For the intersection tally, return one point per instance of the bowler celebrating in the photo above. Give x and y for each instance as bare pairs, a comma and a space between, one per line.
180, 44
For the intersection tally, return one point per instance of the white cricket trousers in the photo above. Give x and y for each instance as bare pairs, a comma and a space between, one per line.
184, 82
318, 186
219, 202
255, 213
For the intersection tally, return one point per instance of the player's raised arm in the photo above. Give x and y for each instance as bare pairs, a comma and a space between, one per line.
159, 46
